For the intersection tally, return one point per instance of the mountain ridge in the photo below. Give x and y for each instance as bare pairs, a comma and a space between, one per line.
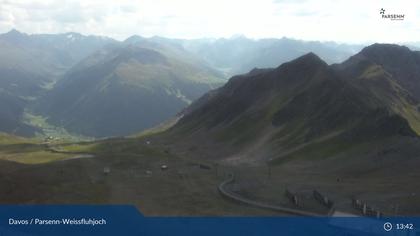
124, 89
299, 102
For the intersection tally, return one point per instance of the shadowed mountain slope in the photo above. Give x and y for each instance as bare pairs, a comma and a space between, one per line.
266, 114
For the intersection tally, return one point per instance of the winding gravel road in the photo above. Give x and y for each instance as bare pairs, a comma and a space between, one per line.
228, 194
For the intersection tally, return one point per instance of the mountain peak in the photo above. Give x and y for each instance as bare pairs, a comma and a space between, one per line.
384, 50
311, 56
388, 55
134, 39
399, 61
14, 36
309, 60
15, 33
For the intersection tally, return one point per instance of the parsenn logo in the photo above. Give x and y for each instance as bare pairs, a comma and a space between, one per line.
393, 16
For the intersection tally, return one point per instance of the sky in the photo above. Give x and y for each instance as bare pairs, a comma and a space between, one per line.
323, 20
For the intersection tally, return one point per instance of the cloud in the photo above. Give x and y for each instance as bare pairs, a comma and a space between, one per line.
333, 20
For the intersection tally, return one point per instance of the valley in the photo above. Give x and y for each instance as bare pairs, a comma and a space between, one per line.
318, 128
69, 78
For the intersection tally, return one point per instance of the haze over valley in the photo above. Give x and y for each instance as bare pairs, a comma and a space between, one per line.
239, 108
99, 87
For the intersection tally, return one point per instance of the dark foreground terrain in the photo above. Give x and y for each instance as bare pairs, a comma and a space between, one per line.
134, 177
129, 171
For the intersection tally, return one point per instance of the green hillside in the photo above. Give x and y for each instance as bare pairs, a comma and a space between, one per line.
124, 89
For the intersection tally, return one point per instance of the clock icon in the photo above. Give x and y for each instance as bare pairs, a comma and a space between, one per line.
387, 226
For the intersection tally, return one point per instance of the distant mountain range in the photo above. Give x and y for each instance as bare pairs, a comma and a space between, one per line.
126, 88
100, 87
30, 64
305, 104
239, 55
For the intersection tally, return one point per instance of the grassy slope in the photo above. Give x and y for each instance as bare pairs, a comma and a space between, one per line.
50, 130
385, 88
127, 92
6, 139
27, 151
183, 189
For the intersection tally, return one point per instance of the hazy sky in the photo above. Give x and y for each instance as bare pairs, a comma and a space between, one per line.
342, 21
